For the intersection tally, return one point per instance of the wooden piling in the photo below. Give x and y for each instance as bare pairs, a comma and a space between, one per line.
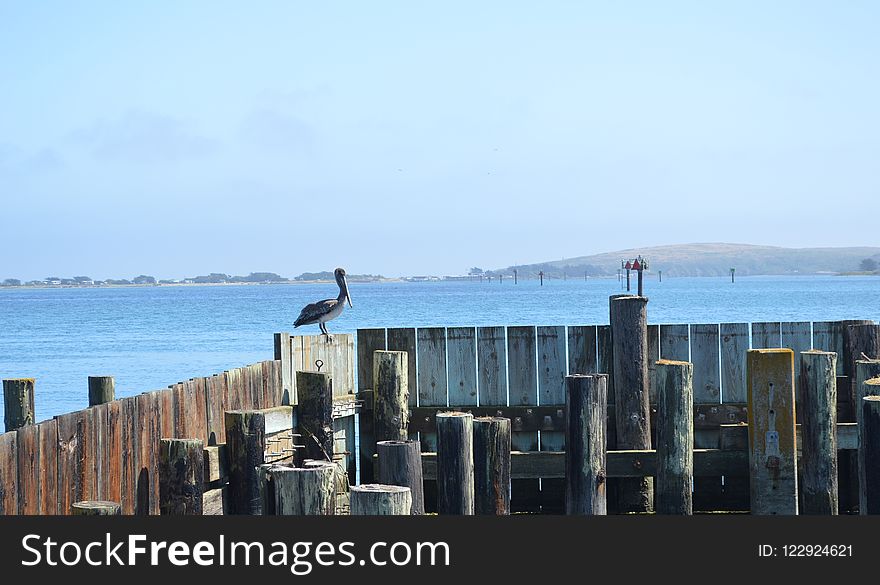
181, 477
315, 394
375, 499
305, 491
629, 337
586, 403
869, 449
245, 438
390, 395
772, 450
18, 403
455, 463
95, 508
491, 466
675, 437
400, 463
818, 406
102, 389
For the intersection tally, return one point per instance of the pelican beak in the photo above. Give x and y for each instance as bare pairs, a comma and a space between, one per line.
347, 295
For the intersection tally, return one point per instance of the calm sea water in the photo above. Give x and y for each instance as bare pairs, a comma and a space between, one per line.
150, 337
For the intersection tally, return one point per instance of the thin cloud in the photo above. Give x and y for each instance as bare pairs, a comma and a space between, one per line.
272, 131
145, 138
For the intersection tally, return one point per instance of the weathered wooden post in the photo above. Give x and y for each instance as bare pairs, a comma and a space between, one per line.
390, 395
400, 463
586, 407
455, 463
102, 389
95, 508
675, 437
245, 442
18, 403
315, 393
305, 491
772, 447
869, 450
629, 339
818, 406
864, 371
181, 477
492, 466
375, 499
861, 340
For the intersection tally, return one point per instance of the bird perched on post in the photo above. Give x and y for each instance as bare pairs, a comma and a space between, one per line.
328, 309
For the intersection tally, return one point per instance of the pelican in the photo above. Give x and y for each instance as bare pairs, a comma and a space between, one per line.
328, 309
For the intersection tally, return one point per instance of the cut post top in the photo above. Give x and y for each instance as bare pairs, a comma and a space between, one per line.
454, 413
379, 487
643, 299
664, 362
818, 352
388, 352
872, 382
21, 380
772, 350
587, 376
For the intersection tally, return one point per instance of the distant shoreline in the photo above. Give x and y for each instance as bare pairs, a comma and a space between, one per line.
411, 280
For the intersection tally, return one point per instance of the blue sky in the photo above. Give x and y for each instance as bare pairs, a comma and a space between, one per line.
180, 138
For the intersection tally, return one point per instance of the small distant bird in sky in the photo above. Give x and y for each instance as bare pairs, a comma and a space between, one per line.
328, 309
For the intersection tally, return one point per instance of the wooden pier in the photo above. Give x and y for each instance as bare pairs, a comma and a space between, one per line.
252, 426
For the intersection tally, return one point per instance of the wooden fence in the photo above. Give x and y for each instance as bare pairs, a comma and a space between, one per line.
110, 451
518, 372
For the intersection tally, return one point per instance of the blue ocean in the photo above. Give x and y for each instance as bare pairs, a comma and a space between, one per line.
150, 337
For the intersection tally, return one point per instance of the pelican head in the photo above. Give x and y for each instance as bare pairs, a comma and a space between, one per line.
339, 273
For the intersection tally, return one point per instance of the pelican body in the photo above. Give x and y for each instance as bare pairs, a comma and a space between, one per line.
328, 309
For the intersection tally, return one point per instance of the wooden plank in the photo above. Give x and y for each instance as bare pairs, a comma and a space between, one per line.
128, 484
551, 391
491, 366
828, 336
283, 355
214, 502
155, 435
461, 347
432, 384
113, 451
101, 462
523, 391
75, 455
28, 448
214, 409
178, 398
798, 337
368, 341
705, 357
404, 339
165, 399
605, 365
734, 344
582, 349
8, 474
706, 361
736, 437
142, 465
766, 335
653, 356
675, 342
48, 436
526, 465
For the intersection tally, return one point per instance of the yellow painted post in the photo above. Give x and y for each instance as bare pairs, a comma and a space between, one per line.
772, 446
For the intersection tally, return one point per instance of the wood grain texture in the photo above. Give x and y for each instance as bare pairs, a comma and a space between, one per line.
675, 438
766, 335
734, 345
551, 391
818, 407
705, 357
380, 500
491, 366
492, 466
181, 477
523, 391
582, 349
461, 346
390, 396
8, 474
305, 491
772, 445
368, 341
404, 339
828, 336
869, 451
432, 381
315, 408
455, 464
48, 436
28, 448
675, 342
245, 448
585, 465
284, 355
400, 463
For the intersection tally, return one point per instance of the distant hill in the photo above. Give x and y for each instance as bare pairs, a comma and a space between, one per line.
711, 260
